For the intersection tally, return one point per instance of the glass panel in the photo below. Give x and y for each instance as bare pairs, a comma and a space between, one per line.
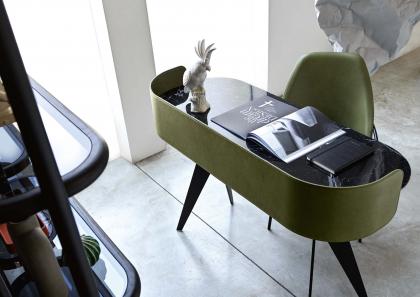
108, 269
9, 150
70, 145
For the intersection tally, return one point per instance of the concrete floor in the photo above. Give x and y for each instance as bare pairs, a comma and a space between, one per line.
226, 250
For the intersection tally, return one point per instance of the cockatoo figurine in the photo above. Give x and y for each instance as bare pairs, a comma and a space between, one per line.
6, 114
194, 78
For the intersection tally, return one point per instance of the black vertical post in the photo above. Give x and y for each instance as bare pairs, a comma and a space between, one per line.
25, 109
4, 184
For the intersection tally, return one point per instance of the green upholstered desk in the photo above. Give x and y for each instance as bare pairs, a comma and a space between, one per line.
336, 209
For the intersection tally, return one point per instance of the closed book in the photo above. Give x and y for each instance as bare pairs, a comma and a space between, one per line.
338, 155
255, 114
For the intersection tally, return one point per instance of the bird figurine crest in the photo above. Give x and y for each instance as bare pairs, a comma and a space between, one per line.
194, 78
6, 113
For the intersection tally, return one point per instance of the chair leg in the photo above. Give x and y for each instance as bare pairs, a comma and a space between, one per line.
270, 219
197, 183
360, 240
375, 133
345, 256
230, 194
311, 275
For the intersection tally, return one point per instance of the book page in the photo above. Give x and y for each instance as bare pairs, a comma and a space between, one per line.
297, 133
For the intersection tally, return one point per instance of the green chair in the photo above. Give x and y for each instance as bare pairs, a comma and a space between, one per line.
337, 84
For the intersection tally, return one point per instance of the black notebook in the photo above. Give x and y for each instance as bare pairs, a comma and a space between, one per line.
341, 153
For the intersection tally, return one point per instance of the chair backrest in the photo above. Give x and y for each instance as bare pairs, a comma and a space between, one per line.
338, 84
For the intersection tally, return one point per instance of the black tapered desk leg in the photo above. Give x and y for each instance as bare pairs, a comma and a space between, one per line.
345, 256
230, 194
270, 219
197, 183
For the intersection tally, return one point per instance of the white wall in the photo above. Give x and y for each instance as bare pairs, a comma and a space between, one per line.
58, 43
129, 36
293, 32
104, 47
238, 27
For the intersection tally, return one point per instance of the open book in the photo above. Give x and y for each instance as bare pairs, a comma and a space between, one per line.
296, 134
285, 131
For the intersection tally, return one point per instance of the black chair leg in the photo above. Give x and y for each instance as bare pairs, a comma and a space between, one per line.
375, 133
270, 219
311, 275
197, 183
360, 240
345, 256
230, 194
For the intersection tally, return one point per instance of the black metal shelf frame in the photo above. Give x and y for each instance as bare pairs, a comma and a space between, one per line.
75, 181
52, 194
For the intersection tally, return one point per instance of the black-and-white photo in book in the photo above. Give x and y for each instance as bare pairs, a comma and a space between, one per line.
296, 134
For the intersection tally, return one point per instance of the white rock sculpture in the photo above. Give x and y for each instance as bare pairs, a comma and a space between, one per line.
375, 29
194, 78
6, 114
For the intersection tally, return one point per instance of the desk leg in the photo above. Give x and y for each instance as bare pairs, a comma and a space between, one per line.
197, 183
345, 256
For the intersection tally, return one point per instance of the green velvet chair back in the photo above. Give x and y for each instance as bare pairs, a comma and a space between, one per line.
334, 214
338, 84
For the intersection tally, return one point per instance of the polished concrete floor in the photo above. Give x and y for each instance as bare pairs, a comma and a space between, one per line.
226, 250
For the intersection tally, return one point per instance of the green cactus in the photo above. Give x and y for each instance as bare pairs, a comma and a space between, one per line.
92, 248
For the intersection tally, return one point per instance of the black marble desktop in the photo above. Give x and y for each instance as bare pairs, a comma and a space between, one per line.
224, 94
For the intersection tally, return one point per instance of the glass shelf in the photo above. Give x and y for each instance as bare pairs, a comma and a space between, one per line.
114, 273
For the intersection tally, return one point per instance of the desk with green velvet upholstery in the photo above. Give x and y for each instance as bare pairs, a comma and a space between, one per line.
336, 209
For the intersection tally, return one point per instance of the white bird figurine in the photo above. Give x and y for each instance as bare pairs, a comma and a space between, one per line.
194, 78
